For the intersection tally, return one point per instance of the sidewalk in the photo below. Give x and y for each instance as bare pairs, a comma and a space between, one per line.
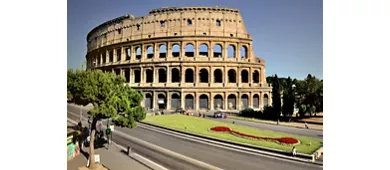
112, 159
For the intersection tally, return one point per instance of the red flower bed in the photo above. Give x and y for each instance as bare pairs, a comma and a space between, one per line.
280, 140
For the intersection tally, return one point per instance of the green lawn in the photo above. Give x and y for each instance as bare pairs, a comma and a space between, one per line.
252, 119
201, 126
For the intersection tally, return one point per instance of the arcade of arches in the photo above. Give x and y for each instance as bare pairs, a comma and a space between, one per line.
202, 101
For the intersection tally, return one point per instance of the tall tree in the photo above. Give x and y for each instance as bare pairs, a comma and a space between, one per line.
288, 98
110, 98
276, 101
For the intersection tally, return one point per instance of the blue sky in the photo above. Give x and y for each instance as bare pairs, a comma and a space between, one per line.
287, 34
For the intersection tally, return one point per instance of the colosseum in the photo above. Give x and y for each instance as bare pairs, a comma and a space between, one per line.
195, 58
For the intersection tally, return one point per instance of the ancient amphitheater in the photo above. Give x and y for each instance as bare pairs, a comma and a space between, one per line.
197, 58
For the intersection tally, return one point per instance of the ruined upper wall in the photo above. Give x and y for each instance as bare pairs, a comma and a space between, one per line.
167, 22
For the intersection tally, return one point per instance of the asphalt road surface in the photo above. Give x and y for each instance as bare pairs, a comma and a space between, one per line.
220, 157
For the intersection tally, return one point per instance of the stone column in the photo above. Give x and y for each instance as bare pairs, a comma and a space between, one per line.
168, 75
182, 96
238, 76
142, 76
182, 74
196, 74
169, 50
225, 76
107, 56
182, 49
238, 45
168, 97
238, 101
261, 104
196, 49
250, 100
196, 98
211, 99
115, 55
225, 50
250, 76
144, 52
155, 75
155, 50
225, 101
155, 98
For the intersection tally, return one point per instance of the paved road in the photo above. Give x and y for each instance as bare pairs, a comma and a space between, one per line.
277, 128
216, 156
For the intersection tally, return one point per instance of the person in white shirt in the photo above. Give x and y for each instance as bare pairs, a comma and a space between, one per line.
294, 151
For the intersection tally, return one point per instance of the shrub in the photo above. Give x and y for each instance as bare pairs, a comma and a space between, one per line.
248, 112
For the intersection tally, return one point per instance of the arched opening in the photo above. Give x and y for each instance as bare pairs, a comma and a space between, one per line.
203, 76
162, 75
175, 101
231, 51
111, 56
217, 51
256, 76
245, 101
103, 61
244, 52
265, 100
218, 102
244, 76
189, 102
189, 76
256, 101
175, 75
218, 76
203, 102
162, 101
138, 53
189, 22
127, 75
119, 54
149, 76
189, 50
137, 76
150, 53
163, 51
232, 76
175, 50
232, 102
148, 101
128, 54
203, 50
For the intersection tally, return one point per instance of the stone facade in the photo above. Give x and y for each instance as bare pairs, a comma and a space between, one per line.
197, 58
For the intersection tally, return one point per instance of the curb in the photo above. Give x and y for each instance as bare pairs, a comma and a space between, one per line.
276, 124
271, 152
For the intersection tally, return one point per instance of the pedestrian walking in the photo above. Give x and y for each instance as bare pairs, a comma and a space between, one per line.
306, 126
294, 151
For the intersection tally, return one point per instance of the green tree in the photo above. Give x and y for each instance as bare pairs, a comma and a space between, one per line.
276, 101
288, 98
110, 98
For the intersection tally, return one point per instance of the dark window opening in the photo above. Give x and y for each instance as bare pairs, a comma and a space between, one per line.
244, 76
119, 54
119, 31
189, 102
218, 102
218, 23
162, 76
138, 26
244, 52
111, 56
232, 102
217, 76
256, 101
231, 35
175, 75
232, 76
162, 23
189, 22
204, 33
175, 34
256, 77
149, 76
149, 36
189, 76
204, 76
127, 75
203, 102
137, 76
117, 72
